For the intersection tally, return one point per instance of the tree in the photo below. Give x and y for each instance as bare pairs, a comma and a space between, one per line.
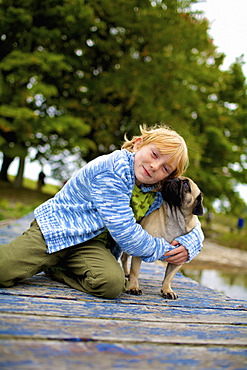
78, 74
34, 77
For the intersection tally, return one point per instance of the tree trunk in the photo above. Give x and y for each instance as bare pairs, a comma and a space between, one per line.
5, 166
19, 177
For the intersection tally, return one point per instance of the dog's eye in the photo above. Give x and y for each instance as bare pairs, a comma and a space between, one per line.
186, 185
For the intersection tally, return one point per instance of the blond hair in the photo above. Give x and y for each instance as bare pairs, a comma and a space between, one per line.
167, 141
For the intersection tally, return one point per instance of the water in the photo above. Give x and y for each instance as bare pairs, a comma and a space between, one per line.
231, 284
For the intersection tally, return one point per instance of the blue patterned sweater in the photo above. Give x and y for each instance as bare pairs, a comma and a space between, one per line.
98, 197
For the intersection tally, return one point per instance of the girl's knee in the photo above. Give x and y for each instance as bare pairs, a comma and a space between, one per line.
6, 279
114, 286
7, 274
109, 284
6, 283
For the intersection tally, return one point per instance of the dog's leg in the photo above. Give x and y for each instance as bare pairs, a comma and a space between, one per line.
124, 259
166, 290
133, 278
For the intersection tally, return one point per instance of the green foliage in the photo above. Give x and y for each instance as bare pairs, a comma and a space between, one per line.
223, 230
8, 211
47, 189
234, 240
76, 75
17, 203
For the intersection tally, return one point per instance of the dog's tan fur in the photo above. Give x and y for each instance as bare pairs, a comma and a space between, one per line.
168, 222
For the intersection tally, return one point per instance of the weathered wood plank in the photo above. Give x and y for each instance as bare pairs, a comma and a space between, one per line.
192, 296
186, 298
23, 355
36, 327
44, 324
13, 230
143, 312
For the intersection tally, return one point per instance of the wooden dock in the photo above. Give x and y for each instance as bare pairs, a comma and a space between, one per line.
45, 324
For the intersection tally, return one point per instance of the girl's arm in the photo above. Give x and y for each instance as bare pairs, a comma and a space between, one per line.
192, 242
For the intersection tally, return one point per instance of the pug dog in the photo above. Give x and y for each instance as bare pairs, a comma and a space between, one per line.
182, 203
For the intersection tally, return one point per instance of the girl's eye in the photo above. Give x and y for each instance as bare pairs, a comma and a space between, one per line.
154, 154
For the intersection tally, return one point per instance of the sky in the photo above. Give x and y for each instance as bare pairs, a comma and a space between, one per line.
228, 28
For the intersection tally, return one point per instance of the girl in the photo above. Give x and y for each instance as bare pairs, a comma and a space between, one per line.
108, 195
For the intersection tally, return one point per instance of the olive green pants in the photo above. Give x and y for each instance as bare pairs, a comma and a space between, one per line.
89, 267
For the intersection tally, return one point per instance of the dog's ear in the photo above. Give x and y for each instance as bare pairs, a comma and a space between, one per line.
198, 208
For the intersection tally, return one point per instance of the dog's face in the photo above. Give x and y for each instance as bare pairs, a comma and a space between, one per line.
182, 192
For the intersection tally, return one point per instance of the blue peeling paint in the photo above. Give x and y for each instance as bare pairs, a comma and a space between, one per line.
113, 348
63, 342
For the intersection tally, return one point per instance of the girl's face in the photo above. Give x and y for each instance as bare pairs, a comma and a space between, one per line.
150, 165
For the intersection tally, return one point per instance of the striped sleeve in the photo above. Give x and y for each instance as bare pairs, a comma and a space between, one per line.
192, 241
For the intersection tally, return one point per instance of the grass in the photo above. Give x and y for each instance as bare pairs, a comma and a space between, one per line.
15, 202
223, 230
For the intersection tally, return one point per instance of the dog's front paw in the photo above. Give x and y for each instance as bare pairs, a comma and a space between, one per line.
169, 295
134, 291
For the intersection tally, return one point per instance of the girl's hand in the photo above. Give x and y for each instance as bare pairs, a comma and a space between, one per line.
178, 256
